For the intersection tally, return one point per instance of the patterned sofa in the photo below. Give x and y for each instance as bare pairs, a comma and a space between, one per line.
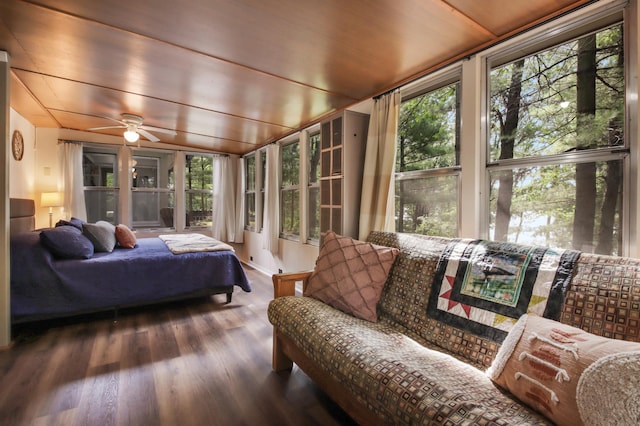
425, 359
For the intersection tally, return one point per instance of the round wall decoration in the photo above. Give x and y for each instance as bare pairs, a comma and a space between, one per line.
17, 145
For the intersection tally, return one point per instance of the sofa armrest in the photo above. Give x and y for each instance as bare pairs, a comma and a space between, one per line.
285, 284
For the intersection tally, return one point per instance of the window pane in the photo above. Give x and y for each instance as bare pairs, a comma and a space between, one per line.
314, 158
428, 131
250, 173
262, 155
99, 168
428, 139
290, 164
290, 212
569, 205
152, 198
313, 189
199, 208
314, 213
250, 210
152, 209
199, 190
428, 205
263, 168
100, 178
290, 195
199, 172
101, 205
569, 97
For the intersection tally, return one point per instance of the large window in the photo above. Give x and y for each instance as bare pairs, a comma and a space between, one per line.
261, 177
427, 162
313, 187
290, 190
100, 173
250, 192
152, 192
198, 184
556, 148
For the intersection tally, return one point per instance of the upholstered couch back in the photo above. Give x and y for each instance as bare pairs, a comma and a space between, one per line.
601, 296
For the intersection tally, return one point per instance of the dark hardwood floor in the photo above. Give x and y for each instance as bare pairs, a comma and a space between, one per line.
200, 362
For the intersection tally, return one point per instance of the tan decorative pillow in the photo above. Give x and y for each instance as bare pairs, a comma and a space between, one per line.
350, 274
125, 236
571, 376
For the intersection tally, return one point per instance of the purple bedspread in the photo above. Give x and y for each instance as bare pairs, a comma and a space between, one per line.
43, 286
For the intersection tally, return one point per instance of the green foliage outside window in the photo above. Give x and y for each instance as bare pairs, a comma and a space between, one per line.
289, 193
250, 196
314, 188
199, 189
565, 102
427, 141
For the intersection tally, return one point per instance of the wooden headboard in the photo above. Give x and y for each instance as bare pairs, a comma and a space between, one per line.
22, 215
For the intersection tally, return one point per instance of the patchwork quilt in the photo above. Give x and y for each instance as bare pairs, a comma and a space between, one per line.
485, 286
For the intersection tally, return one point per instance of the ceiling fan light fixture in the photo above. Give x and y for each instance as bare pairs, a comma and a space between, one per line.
130, 135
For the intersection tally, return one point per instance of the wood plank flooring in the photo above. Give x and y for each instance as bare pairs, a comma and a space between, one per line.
200, 362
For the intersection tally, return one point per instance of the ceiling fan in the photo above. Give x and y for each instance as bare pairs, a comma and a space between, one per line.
135, 128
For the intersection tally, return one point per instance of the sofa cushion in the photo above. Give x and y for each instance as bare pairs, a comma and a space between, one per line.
602, 298
402, 380
561, 370
349, 275
413, 274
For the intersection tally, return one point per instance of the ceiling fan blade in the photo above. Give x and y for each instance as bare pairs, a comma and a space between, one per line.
158, 130
107, 127
148, 135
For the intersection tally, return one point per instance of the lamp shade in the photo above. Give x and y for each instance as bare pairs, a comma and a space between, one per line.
51, 199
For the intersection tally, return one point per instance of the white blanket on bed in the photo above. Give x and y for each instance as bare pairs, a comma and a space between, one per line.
187, 243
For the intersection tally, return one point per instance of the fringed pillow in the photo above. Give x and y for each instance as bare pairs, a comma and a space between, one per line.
571, 376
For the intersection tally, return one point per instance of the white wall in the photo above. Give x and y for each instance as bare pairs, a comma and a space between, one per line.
294, 256
46, 173
21, 182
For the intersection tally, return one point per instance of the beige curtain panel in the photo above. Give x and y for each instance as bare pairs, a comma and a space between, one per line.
377, 206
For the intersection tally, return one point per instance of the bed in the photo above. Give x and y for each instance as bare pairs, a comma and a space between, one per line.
43, 286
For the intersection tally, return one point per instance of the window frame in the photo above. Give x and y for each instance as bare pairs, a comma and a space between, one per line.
249, 191
526, 45
438, 80
197, 191
168, 190
295, 188
108, 150
306, 159
261, 176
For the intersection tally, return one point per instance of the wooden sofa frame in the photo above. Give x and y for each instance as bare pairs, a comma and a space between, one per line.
285, 353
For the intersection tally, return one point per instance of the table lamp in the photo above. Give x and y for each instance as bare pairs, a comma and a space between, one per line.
51, 200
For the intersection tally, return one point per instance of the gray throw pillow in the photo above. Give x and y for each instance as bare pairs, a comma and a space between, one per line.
102, 234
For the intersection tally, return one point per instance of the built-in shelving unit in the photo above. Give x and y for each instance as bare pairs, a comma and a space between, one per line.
342, 150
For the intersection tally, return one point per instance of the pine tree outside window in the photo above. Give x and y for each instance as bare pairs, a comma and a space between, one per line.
556, 149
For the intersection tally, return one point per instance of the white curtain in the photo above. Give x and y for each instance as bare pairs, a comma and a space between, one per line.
377, 205
240, 185
225, 206
225, 215
271, 216
72, 178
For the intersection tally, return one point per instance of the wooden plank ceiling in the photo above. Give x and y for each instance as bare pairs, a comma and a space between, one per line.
231, 76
